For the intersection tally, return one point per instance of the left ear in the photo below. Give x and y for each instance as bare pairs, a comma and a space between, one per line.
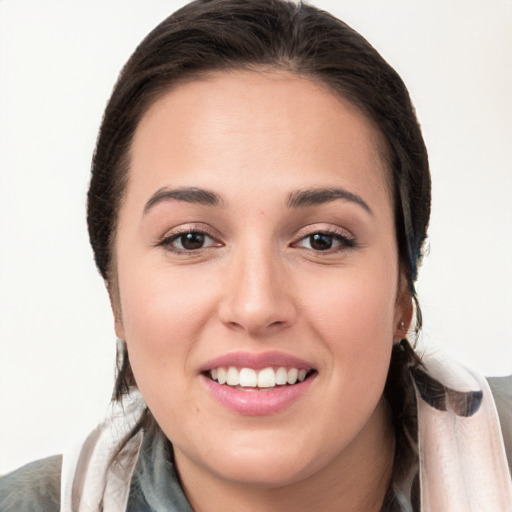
115, 304
403, 310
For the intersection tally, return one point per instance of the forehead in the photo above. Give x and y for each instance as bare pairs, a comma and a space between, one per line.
242, 124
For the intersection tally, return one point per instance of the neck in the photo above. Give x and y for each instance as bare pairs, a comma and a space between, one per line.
356, 480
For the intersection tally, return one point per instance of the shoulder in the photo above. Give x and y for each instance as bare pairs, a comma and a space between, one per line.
35, 486
501, 388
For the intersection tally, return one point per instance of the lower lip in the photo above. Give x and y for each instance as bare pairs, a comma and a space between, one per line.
257, 402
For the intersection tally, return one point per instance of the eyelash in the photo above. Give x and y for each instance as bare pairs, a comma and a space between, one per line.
169, 240
344, 242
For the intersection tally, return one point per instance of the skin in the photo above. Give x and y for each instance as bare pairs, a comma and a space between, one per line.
258, 284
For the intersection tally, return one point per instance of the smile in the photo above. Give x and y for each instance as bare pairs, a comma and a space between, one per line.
258, 383
265, 378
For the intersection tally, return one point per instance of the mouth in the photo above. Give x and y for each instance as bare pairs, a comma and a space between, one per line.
246, 378
258, 384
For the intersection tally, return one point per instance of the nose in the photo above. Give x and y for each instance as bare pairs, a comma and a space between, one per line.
258, 296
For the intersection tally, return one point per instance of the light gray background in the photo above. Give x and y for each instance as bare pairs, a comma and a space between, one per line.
58, 63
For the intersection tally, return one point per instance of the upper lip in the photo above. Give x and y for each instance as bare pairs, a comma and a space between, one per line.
257, 361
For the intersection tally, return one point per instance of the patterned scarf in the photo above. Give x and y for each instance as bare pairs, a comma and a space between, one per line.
462, 461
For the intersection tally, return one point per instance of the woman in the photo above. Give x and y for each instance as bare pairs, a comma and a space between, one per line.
258, 205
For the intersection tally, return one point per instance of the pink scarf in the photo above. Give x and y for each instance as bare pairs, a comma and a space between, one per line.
462, 460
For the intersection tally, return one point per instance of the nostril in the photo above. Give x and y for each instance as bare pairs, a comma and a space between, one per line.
235, 326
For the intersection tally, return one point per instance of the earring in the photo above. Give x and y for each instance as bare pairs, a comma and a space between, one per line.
401, 328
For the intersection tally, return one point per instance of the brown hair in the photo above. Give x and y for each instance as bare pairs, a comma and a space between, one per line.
213, 35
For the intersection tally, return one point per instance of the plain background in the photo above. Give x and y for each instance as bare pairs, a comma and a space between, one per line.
58, 63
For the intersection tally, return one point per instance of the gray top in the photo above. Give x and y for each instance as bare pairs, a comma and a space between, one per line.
155, 486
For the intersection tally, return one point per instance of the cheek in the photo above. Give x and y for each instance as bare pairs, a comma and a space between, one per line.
354, 317
160, 308
162, 315
354, 306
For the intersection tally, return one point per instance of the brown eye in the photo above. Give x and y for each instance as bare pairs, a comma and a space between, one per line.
320, 241
188, 242
191, 241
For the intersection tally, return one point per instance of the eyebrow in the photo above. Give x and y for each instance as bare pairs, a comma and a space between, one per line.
186, 194
317, 196
297, 199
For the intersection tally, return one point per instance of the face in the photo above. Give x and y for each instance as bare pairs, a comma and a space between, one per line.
256, 244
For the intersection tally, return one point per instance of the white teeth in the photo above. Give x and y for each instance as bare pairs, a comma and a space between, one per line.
233, 377
267, 378
281, 376
250, 378
222, 376
293, 373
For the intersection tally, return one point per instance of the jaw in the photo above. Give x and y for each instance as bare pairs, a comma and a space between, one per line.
264, 468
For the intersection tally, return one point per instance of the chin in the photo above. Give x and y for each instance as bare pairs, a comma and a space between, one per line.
264, 462
270, 473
